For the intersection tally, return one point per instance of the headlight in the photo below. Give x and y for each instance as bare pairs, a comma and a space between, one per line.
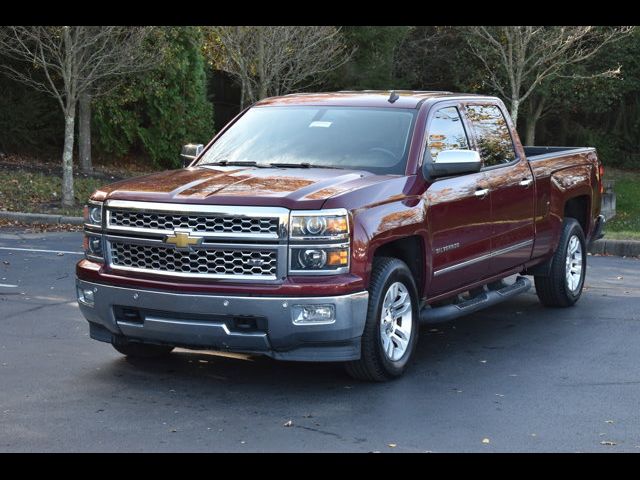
92, 244
93, 214
325, 259
319, 225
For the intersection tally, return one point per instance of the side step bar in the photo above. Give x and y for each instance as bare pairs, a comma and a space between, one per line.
486, 298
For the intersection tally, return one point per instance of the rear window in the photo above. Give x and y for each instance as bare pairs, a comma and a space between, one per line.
492, 134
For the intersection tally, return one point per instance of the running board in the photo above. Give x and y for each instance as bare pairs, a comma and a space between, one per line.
487, 298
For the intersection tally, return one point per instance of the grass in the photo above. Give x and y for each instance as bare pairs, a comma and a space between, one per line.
30, 184
35, 192
626, 223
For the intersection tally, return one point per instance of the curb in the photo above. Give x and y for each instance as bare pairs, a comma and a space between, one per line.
619, 248
41, 218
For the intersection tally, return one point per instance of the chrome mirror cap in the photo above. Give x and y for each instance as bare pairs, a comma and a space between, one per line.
189, 153
453, 162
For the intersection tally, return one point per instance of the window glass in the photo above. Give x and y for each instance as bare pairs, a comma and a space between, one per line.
492, 134
371, 139
446, 132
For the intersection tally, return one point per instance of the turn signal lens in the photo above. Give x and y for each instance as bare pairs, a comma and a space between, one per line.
338, 258
337, 225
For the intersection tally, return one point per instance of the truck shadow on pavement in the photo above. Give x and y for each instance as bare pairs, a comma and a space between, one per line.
452, 349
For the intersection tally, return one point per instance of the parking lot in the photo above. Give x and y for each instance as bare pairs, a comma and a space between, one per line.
515, 377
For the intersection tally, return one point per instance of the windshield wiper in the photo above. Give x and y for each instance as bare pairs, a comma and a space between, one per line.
299, 165
236, 163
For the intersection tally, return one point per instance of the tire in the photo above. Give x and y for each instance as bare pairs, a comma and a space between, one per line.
141, 350
374, 363
562, 288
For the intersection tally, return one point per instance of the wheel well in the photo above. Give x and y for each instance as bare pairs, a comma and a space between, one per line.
410, 250
578, 208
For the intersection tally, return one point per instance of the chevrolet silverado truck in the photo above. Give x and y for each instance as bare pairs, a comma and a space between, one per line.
330, 226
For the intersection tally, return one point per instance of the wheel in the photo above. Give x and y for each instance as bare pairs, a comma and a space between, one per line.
141, 350
391, 329
563, 286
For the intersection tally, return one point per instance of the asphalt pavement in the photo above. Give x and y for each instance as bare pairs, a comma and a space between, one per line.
513, 378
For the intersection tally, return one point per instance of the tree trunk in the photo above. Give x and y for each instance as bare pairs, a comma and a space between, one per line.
68, 199
262, 85
535, 109
84, 133
530, 134
515, 104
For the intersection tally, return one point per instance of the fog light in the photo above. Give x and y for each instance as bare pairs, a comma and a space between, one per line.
313, 314
85, 296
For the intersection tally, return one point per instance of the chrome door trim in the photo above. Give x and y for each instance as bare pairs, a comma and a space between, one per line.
466, 263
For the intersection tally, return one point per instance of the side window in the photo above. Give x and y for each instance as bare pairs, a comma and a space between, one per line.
446, 132
492, 134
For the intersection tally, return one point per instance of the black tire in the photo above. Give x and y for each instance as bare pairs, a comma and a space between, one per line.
141, 350
374, 365
553, 290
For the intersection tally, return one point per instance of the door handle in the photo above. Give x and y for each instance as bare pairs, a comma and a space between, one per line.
525, 182
481, 192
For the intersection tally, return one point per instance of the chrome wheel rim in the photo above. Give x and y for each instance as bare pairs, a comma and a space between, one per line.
573, 265
396, 321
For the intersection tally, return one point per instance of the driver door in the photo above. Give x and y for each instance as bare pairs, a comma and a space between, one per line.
458, 210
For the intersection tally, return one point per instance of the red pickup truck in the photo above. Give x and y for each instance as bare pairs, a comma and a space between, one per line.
329, 226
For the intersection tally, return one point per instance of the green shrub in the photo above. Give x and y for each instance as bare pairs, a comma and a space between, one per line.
160, 110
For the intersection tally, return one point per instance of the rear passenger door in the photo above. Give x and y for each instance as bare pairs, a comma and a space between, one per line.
458, 209
511, 184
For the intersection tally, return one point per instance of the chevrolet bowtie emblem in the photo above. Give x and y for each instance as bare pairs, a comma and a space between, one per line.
182, 239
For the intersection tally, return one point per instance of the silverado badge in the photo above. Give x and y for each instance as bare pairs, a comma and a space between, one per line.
182, 239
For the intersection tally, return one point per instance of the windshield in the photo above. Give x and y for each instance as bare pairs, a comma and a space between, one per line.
372, 139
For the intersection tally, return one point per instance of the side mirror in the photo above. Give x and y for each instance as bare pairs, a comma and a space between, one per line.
189, 153
453, 162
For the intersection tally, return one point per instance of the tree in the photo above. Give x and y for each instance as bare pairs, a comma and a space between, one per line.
517, 59
156, 113
67, 62
275, 60
436, 58
371, 65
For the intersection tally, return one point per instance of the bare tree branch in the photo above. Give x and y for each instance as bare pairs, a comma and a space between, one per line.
275, 60
517, 59
69, 61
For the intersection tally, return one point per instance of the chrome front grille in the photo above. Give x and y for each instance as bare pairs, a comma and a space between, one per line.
198, 223
196, 262
197, 241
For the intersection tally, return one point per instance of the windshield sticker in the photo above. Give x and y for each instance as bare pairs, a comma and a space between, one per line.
320, 124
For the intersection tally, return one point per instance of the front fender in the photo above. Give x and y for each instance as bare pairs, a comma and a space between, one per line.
381, 224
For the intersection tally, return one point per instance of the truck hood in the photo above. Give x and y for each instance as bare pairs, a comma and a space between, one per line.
295, 188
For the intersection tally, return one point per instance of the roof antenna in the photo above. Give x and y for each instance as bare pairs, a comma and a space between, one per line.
393, 97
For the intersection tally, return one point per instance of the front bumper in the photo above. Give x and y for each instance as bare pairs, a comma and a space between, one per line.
250, 324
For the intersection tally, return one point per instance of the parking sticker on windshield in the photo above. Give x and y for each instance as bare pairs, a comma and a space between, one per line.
320, 124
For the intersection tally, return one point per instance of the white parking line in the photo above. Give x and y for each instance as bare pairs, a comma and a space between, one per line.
5, 285
39, 250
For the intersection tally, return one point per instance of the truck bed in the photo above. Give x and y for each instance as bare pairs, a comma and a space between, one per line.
534, 153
